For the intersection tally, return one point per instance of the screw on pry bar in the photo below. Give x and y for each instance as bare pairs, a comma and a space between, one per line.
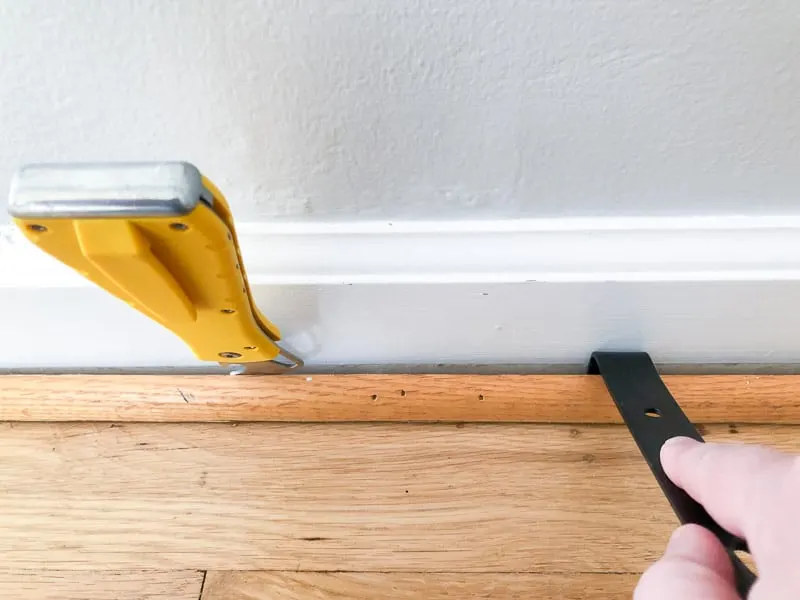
653, 416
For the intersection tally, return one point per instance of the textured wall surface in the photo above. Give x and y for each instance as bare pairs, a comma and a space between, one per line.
349, 109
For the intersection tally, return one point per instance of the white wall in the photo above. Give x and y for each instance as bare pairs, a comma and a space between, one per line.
376, 112
443, 109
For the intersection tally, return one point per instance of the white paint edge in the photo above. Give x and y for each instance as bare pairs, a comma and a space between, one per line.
647, 249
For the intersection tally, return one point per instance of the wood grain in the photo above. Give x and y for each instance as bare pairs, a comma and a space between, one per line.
101, 585
345, 398
355, 497
244, 585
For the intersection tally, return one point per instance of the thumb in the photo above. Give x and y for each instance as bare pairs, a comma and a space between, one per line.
694, 566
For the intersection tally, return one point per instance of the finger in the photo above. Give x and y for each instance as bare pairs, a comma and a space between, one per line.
775, 588
694, 565
744, 488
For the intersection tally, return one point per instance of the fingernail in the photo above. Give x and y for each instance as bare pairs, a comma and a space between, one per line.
677, 535
683, 538
679, 441
673, 446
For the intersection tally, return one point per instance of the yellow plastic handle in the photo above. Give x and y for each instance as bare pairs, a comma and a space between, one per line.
122, 254
184, 272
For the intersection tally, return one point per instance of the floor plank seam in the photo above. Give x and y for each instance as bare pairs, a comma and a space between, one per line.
458, 423
417, 572
202, 585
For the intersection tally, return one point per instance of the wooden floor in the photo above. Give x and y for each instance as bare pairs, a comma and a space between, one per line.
243, 510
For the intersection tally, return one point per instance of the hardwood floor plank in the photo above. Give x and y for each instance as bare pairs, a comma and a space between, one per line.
357, 497
347, 398
248, 585
100, 585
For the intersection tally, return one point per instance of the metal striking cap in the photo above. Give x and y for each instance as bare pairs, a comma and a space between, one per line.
97, 190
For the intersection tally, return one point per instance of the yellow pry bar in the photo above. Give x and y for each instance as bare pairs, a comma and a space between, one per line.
161, 237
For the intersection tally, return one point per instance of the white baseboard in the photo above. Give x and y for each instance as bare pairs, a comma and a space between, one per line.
689, 290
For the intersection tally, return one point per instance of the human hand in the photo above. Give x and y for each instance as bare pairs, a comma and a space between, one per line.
754, 493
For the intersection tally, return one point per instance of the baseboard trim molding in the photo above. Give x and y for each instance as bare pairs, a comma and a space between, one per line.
560, 250
688, 290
